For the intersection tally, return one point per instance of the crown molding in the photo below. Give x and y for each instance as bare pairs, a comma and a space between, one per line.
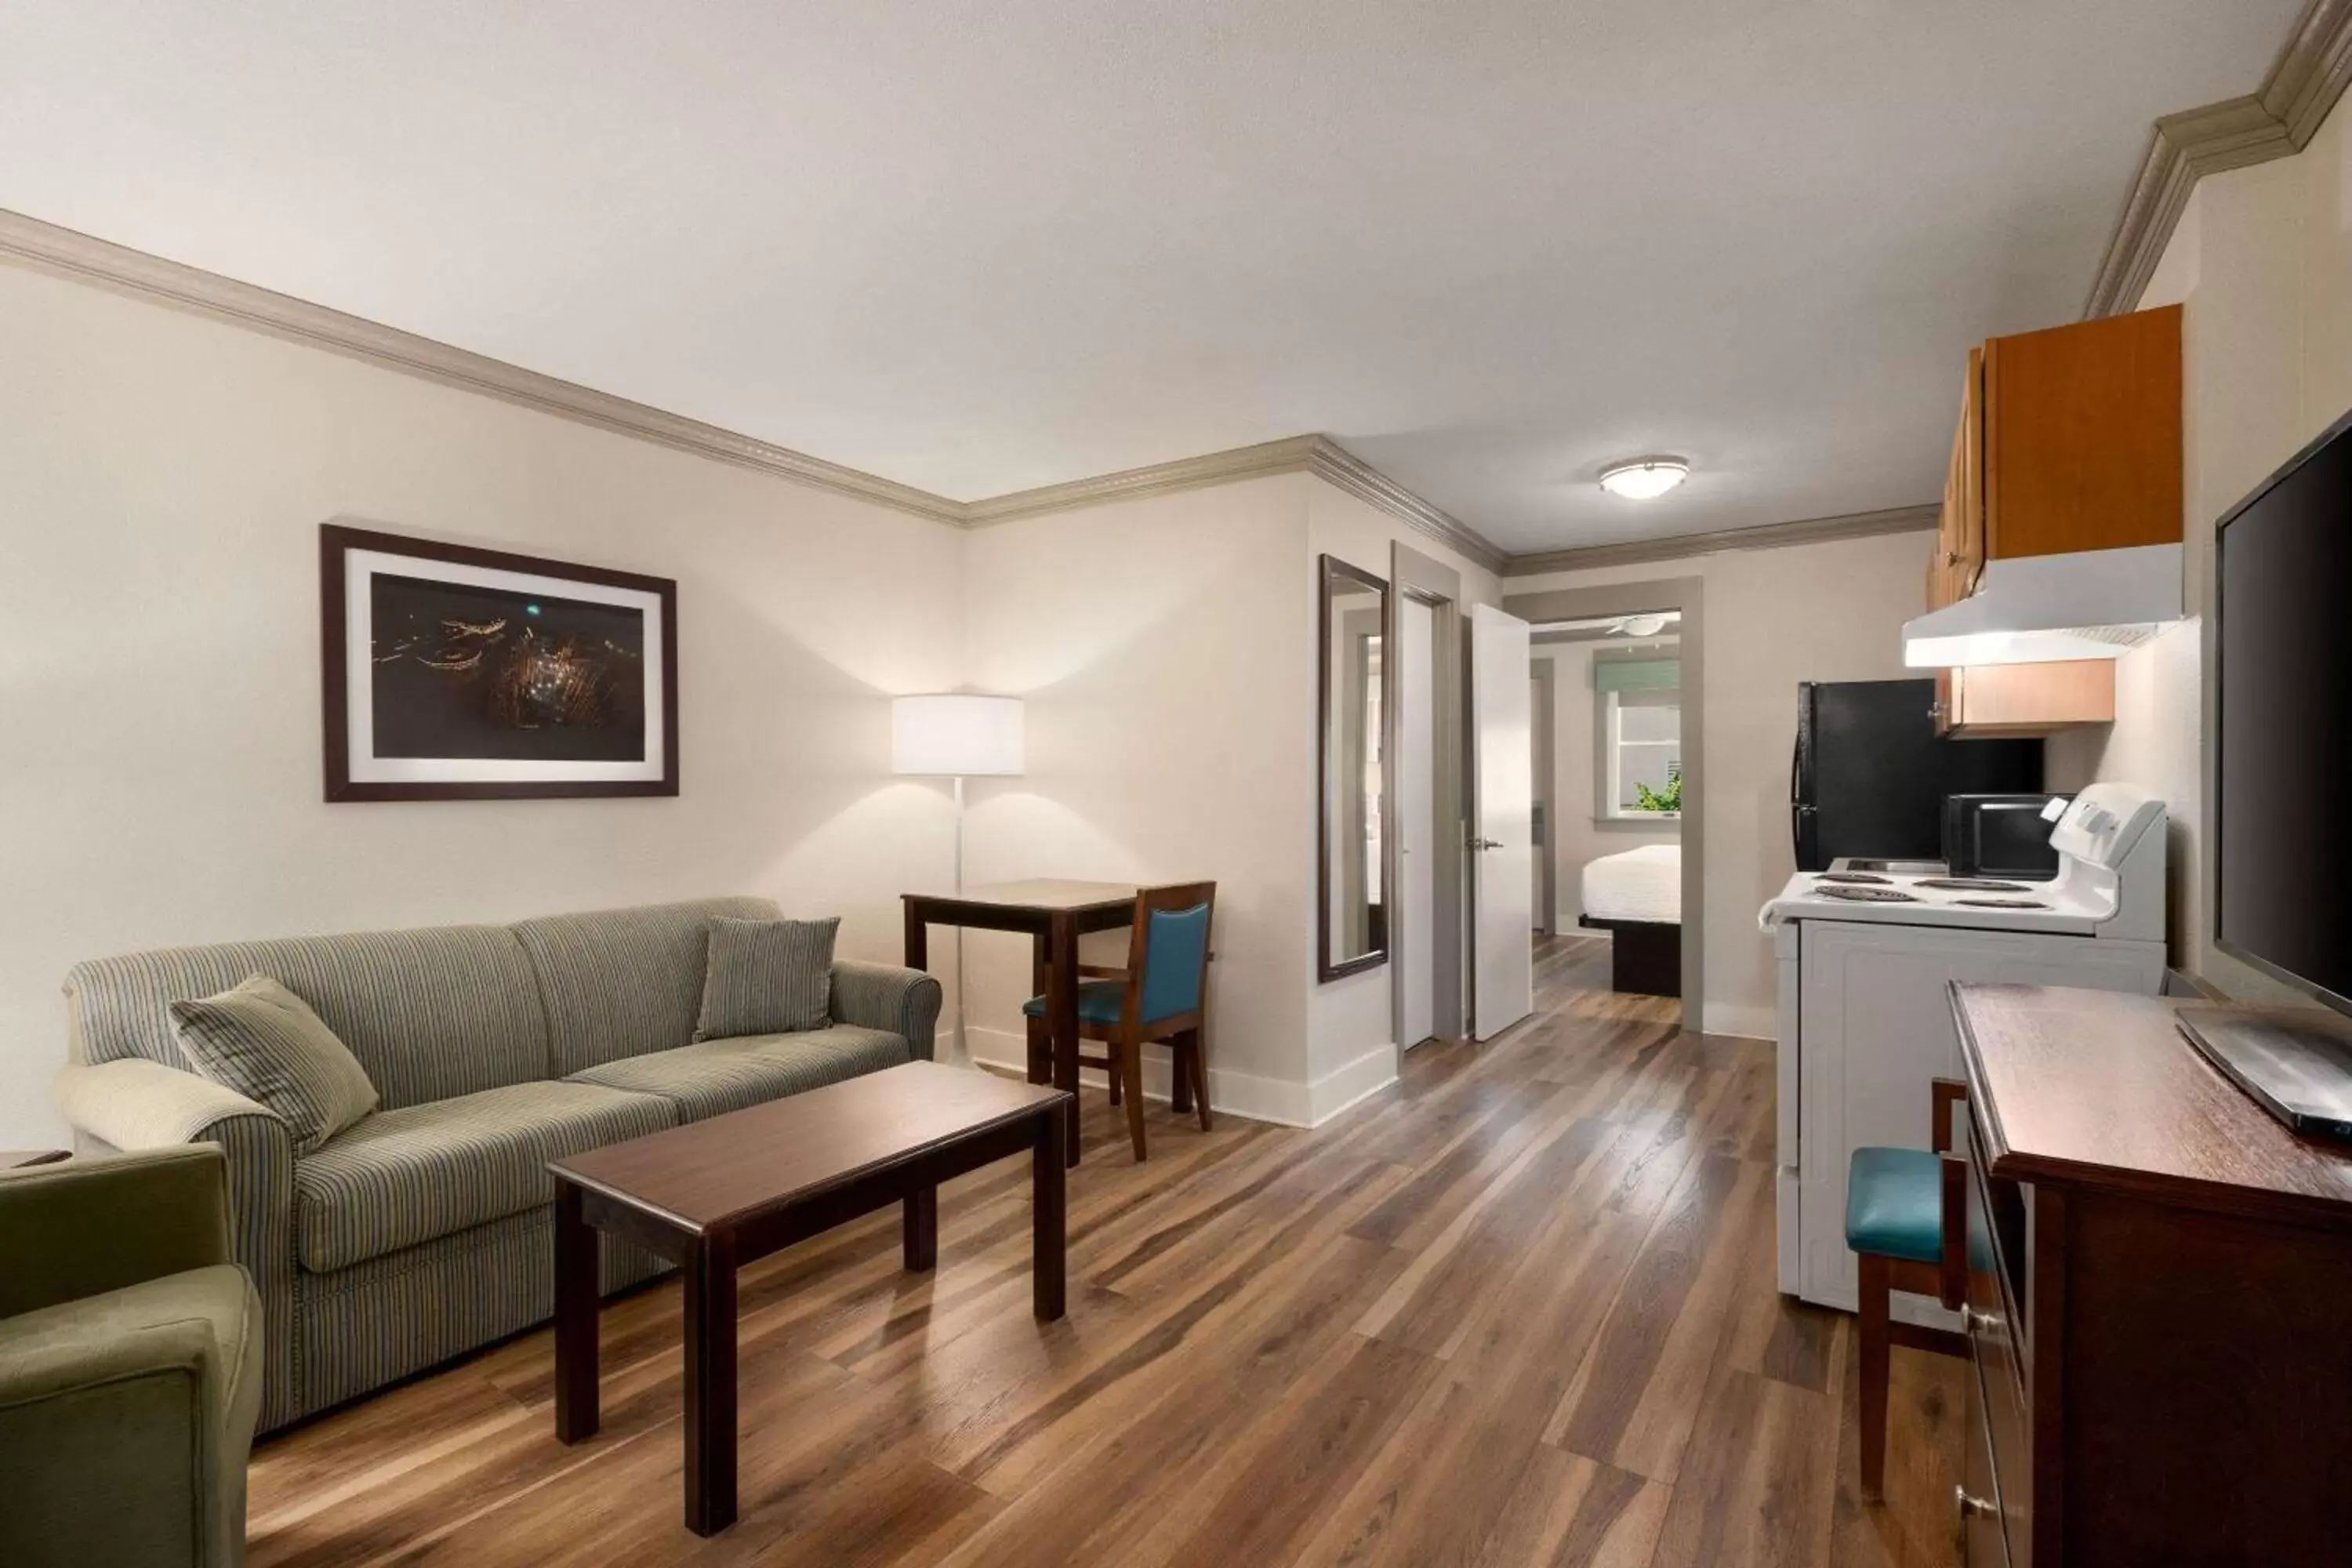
1336, 465
1768, 536
1317, 455
1290, 456
63, 250
51, 248
2276, 121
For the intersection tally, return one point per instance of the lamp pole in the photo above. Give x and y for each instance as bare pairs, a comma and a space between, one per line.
963, 1047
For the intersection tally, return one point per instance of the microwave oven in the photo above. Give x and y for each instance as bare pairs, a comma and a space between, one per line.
2003, 836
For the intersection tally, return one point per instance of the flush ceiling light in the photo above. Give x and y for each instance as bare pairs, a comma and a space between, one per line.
1644, 479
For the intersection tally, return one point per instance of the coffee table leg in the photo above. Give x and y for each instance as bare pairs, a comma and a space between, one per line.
1049, 1176
710, 1386
922, 1228
575, 1319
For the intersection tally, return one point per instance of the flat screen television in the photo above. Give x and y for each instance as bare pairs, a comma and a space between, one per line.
2282, 724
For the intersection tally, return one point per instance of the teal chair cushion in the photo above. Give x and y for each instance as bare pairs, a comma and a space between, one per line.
1895, 1204
1176, 959
1098, 1001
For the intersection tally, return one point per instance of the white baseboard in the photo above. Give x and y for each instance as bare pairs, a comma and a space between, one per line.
1357, 1081
1282, 1102
1731, 1018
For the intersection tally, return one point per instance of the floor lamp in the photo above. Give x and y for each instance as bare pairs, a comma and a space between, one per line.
957, 735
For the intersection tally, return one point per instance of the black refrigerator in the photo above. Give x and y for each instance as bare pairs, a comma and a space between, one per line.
1870, 773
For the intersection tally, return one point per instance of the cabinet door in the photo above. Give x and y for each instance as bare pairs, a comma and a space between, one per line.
1968, 550
1989, 701
2082, 436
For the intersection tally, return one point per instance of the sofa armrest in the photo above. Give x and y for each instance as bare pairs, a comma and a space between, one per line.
88, 1226
133, 1103
117, 1440
884, 996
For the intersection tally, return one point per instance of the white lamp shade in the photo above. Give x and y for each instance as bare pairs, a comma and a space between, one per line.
961, 734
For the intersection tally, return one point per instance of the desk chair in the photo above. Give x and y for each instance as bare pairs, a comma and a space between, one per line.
1160, 995
1904, 1219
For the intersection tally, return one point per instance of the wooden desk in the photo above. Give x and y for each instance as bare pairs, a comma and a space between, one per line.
713, 1195
1054, 914
2156, 1279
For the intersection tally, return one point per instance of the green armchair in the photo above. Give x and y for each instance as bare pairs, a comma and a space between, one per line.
130, 1363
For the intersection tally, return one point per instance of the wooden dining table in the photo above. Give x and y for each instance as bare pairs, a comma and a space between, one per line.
1054, 914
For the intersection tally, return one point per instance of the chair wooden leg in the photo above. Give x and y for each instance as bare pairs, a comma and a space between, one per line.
1113, 1076
1130, 1067
1878, 1294
1197, 1066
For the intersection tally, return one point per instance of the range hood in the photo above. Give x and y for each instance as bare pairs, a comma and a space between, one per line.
2039, 609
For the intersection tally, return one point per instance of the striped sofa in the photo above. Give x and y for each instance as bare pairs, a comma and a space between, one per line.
423, 1231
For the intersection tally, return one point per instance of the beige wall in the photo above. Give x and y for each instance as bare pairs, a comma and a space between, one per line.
162, 481
1166, 647
2262, 262
1773, 617
1352, 1046
1577, 833
1167, 659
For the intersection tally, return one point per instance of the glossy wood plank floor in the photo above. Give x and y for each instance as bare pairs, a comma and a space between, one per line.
1517, 1308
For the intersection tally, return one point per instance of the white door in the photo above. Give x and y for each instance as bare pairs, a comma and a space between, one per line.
1502, 821
1417, 821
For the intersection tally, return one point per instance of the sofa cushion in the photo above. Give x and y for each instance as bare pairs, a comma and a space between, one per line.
719, 1076
620, 983
405, 1177
261, 1040
430, 1013
767, 977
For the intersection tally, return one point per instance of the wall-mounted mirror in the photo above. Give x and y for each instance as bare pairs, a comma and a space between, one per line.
1351, 902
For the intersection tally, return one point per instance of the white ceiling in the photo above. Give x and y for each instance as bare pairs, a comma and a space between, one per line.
1488, 245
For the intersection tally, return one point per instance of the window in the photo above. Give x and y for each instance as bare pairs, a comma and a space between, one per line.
1641, 749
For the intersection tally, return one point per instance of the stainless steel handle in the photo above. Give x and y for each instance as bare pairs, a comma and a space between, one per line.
1978, 1322
1972, 1507
1485, 844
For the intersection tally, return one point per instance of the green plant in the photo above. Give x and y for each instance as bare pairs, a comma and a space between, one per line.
1667, 799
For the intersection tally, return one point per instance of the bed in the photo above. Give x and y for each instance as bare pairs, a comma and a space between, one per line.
1637, 898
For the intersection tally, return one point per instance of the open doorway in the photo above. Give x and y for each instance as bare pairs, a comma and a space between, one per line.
1615, 671
1426, 739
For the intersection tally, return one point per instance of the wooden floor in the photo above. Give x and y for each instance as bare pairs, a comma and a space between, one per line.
1518, 1309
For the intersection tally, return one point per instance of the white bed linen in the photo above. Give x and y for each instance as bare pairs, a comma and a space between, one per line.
1644, 884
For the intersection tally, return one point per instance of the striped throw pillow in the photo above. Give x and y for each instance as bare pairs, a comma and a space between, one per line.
767, 977
263, 1041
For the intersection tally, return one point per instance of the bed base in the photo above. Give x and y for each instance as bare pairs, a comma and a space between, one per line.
1645, 957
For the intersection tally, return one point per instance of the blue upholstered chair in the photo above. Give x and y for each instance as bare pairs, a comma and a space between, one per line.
1905, 1220
1161, 994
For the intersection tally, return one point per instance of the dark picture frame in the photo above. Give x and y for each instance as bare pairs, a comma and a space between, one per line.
1345, 732
625, 621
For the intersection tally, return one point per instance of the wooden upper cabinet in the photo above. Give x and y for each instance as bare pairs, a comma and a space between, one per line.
2081, 437
2069, 439
2000, 701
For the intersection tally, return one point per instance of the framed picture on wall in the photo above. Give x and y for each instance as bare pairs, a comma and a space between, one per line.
452, 673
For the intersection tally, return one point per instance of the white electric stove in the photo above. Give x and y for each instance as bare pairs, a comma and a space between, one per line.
1867, 951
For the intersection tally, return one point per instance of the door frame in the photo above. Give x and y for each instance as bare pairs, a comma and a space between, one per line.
1545, 672
1426, 580
1687, 594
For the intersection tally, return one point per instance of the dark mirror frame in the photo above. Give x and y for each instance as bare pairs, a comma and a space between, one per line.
1336, 576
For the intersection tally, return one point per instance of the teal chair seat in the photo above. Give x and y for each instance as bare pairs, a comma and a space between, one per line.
1895, 1204
1099, 1002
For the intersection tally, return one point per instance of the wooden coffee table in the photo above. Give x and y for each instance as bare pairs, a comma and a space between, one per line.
716, 1195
